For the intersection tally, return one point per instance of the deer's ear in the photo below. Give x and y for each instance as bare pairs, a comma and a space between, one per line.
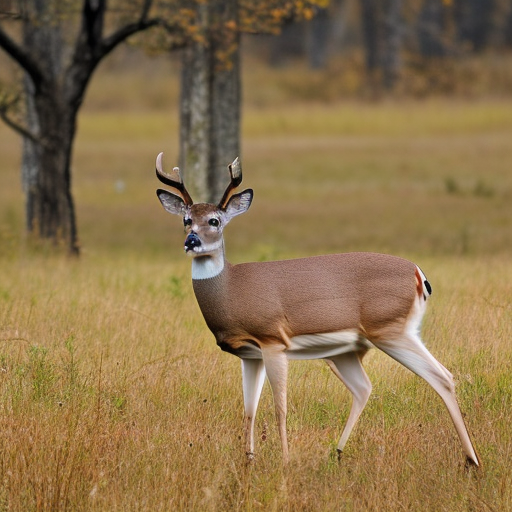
171, 202
238, 203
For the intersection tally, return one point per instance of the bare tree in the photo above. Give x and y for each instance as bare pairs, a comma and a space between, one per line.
59, 45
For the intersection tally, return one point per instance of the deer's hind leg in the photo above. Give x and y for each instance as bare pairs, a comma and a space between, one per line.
410, 351
349, 369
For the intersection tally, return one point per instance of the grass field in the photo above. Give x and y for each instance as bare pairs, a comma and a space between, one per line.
113, 394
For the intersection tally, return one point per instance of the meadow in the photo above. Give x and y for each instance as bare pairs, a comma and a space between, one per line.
113, 394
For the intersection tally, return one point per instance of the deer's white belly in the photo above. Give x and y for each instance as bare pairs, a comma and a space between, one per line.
315, 346
325, 345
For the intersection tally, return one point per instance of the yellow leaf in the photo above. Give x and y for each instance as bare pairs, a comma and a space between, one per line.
230, 25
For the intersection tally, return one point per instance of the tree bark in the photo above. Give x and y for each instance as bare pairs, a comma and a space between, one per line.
507, 37
431, 28
369, 14
382, 36
392, 43
319, 32
475, 22
50, 210
46, 175
370, 29
210, 102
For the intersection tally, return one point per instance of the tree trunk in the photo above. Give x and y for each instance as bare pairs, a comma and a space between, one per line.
210, 103
370, 26
392, 42
508, 30
49, 204
369, 17
431, 29
475, 22
318, 42
46, 176
195, 120
382, 35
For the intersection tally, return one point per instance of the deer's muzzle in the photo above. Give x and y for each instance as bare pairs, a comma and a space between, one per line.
191, 242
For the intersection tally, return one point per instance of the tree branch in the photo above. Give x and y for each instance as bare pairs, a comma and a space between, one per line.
21, 130
93, 15
120, 35
143, 23
124, 32
145, 9
21, 57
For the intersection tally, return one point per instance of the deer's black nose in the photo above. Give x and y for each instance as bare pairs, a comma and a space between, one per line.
192, 241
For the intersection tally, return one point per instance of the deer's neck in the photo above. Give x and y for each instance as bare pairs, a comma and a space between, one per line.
206, 267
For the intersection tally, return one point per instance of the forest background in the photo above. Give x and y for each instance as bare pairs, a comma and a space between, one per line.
113, 395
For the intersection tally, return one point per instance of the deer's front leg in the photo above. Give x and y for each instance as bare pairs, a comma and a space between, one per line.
276, 366
253, 378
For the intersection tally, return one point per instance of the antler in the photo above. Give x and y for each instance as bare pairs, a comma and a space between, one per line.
172, 180
235, 170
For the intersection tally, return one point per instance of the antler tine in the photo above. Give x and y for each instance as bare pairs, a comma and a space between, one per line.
235, 171
172, 180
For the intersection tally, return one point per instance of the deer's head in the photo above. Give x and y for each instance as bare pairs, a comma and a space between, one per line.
204, 222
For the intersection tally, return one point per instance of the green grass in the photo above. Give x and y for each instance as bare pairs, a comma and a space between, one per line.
113, 394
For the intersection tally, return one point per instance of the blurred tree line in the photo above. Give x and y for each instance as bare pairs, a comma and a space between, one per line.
395, 34
57, 45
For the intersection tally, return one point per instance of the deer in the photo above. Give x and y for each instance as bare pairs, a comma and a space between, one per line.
334, 307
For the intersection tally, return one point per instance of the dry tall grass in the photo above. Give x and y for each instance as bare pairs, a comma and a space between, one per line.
113, 395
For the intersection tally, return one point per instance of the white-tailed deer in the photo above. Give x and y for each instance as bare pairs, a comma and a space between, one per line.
333, 307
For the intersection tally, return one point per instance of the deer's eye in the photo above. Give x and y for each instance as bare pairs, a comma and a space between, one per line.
187, 222
214, 222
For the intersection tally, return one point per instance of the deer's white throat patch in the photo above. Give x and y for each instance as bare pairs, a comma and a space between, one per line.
206, 267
